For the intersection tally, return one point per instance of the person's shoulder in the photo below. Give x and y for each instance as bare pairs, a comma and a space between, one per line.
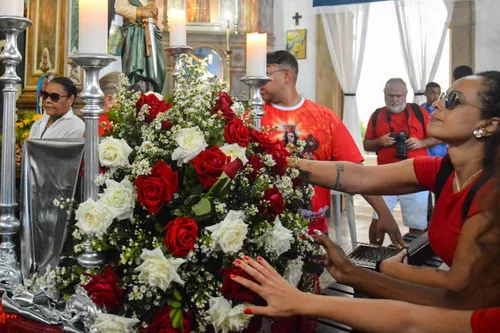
313, 106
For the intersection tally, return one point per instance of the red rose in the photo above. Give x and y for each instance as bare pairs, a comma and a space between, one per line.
163, 324
276, 202
209, 165
279, 153
231, 169
232, 290
104, 290
236, 132
181, 235
224, 103
261, 139
157, 188
156, 106
256, 163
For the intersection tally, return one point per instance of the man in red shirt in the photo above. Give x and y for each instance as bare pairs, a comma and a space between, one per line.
396, 132
322, 132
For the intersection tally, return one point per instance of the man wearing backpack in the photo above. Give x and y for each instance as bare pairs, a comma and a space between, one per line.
396, 132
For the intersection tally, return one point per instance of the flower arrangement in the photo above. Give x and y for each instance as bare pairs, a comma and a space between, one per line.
23, 126
189, 187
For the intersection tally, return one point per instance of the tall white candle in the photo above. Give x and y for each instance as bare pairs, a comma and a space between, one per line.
12, 7
256, 54
177, 21
93, 26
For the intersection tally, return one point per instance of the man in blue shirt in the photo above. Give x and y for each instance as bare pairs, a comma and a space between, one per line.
432, 92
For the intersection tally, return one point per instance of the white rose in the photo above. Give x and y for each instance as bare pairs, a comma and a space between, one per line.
93, 217
219, 308
107, 323
120, 197
158, 271
114, 152
191, 142
234, 151
293, 271
280, 238
160, 97
237, 320
231, 232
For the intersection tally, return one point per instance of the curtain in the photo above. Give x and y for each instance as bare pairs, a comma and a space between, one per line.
423, 25
345, 30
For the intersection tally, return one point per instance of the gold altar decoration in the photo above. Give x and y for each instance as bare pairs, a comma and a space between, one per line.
45, 47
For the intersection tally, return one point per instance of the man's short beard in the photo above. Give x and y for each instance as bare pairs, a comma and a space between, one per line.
396, 107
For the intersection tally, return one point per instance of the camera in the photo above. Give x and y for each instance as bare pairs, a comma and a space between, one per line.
401, 148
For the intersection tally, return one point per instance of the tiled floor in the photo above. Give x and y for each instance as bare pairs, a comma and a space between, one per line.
363, 219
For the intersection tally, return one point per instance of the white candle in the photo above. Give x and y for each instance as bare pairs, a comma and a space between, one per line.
93, 26
177, 21
256, 54
12, 7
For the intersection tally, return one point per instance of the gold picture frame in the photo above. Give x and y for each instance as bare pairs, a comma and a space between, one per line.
296, 43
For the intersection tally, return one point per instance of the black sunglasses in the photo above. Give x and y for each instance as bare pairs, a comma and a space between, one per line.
53, 96
454, 99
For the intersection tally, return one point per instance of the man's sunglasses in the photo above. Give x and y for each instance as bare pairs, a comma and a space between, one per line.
53, 96
454, 99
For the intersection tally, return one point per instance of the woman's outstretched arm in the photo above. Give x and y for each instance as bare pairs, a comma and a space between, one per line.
395, 178
375, 316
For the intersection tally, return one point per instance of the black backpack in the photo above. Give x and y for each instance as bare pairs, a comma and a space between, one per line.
445, 172
416, 111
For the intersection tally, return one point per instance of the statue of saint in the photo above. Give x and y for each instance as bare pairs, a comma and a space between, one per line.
137, 62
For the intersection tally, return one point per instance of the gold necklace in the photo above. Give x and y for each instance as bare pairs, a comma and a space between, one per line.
467, 182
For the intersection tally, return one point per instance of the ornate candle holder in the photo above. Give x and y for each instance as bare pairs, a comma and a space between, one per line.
255, 101
176, 52
93, 97
10, 273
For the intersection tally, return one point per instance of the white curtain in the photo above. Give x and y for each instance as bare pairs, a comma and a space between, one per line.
423, 25
345, 30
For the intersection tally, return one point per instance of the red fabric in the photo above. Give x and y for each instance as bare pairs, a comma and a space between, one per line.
104, 124
12, 323
327, 139
446, 223
486, 321
399, 123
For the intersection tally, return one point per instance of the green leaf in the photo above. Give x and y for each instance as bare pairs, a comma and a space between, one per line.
177, 295
174, 304
178, 212
177, 321
191, 200
174, 312
159, 227
202, 207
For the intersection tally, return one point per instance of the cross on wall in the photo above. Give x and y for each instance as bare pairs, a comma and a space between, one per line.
297, 17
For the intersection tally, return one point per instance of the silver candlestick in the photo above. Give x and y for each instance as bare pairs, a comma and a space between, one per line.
176, 52
10, 273
93, 97
255, 101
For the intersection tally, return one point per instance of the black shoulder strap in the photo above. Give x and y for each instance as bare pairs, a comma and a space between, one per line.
444, 173
472, 193
418, 114
374, 118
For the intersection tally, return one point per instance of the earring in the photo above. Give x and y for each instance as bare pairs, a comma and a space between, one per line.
479, 133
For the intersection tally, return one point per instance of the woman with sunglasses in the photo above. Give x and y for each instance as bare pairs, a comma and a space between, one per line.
58, 120
466, 119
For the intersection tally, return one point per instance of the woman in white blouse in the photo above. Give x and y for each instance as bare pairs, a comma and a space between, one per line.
58, 120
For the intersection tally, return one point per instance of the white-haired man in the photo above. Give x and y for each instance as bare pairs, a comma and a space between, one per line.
396, 132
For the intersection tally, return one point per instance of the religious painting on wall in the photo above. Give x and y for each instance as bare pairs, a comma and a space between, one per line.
296, 43
211, 58
46, 41
198, 12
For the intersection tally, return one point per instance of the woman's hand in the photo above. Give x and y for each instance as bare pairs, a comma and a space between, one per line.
335, 260
401, 257
283, 299
19, 153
